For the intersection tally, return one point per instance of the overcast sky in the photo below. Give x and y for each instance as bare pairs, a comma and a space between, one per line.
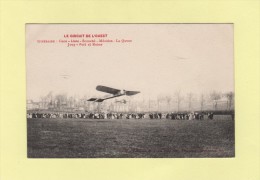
161, 59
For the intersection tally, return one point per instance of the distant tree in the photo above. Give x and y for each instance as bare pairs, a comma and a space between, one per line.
230, 97
159, 100
43, 101
61, 99
202, 101
214, 96
49, 95
178, 98
49, 98
168, 100
190, 99
70, 101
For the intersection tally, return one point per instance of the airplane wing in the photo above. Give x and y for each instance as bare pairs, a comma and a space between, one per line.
130, 93
107, 89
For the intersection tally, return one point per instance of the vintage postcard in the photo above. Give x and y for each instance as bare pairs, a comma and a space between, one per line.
130, 90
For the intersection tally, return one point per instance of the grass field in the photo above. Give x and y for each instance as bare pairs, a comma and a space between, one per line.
86, 138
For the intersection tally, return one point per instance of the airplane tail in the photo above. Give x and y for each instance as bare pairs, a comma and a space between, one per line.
99, 100
96, 99
131, 93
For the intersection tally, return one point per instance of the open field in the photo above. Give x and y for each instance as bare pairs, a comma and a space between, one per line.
91, 138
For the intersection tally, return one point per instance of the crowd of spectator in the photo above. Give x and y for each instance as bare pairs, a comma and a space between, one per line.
102, 115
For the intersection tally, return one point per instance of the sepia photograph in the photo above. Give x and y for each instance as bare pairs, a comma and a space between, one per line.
130, 90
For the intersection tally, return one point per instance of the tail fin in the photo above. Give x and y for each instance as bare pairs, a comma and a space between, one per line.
99, 100
96, 99
130, 93
92, 99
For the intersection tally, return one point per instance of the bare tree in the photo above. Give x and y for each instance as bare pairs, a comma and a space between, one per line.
190, 99
230, 97
202, 101
159, 100
168, 100
214, 96
178, 98
50, 99
49, 96
70, 101
61, 100
43, 101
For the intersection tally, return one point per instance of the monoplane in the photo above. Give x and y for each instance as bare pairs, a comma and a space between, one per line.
114, 92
